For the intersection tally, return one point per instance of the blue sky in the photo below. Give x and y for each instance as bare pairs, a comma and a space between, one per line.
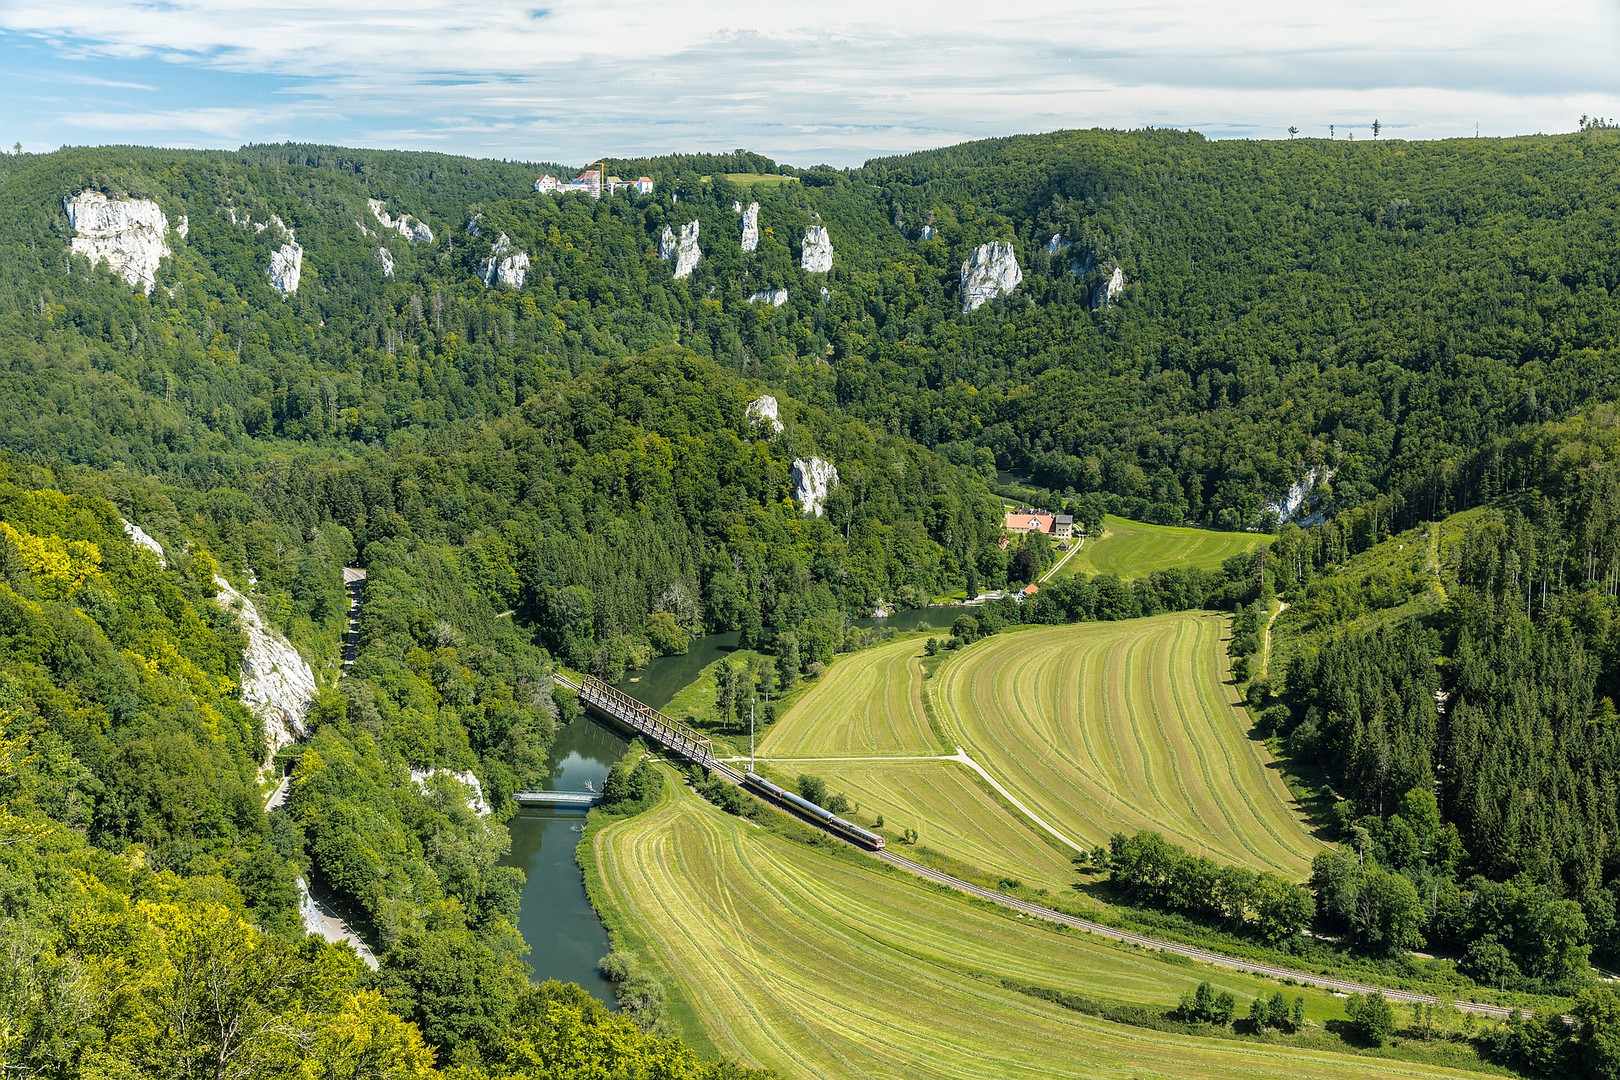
838, 81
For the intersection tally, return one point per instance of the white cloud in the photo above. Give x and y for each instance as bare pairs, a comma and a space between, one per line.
843, 80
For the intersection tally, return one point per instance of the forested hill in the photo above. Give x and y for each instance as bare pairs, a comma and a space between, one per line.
1373, 307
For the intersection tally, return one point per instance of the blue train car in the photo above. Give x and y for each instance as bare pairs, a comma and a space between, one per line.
831, 821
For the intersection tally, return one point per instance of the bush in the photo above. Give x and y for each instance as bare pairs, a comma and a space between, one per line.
1205, 1006
931, 646
965, 628
814, 789
1372, 1018
838, 804
815, 670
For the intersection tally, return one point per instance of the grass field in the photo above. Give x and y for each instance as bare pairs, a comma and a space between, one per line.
1104, 727
750, 179
1134, 549
821, 965
869, 704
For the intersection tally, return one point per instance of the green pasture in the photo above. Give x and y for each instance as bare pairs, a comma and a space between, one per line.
869, 703
749, 179
1133, 549
828, 965
1107, 727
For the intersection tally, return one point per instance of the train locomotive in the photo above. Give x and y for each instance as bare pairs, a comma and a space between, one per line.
847, 829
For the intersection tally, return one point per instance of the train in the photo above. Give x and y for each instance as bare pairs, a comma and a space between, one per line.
847, 829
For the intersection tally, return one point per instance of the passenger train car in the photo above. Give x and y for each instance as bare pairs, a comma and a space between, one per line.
847, 829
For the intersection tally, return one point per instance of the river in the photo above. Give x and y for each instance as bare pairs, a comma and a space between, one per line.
564, 935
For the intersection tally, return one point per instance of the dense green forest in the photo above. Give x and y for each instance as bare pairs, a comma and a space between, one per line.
568, 472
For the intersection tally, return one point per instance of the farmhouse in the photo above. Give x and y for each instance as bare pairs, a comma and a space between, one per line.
1025, 520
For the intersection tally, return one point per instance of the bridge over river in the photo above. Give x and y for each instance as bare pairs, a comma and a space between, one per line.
694, 746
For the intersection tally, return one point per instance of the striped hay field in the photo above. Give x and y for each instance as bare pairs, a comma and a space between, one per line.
868, 704
822, 966
1134, 549
1106, 727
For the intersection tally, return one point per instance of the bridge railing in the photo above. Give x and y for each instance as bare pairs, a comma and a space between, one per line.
688, 741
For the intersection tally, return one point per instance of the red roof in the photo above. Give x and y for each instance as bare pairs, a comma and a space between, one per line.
1031, 590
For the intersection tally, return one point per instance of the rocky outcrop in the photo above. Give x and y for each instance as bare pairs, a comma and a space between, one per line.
129, 235
412, 229
473, 226
928, 233
773, 297
763, 412
1057, 245
277, 684
683, 251
504, 265
1301, 494
287, 261
826, 297
817, 257
812, 482
184, 228
750, 227
140, 539
1110, 290
473, 793
385, 259
991, 271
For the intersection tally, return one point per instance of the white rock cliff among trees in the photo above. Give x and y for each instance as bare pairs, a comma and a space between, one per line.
129, 235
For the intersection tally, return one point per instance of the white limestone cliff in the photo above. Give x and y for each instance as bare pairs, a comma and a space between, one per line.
1301, 494
1057, 245
413, 229
472, 224
817, 257
991, 271
1111, 290
138, 536
385, 258
773, 297
928, 233
684, 251
474, 793
505, 265
277, 684
129, 235
812, 482
287, 261
763, 412
184, 228
750, 227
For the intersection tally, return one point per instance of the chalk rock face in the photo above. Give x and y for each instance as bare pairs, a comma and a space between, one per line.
286, 267
1111, 290
184, 228
386, 260
1300, 494
141, 539
991, 271
683, 251
826, 297
773, 297
818, 253
129, 235
472, 225
504, 265
474, 793
762, 411
1057, 245
750, 227
410, 228
929, 232
813, 481
277, 685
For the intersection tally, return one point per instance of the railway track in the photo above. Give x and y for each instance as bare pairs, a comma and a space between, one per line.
650, 722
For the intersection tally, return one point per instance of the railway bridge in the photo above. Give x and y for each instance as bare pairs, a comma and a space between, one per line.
669, 733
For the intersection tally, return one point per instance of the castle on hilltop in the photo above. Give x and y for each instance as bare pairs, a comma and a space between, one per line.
590, 183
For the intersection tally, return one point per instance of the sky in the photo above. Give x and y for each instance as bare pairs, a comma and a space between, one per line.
836, 81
